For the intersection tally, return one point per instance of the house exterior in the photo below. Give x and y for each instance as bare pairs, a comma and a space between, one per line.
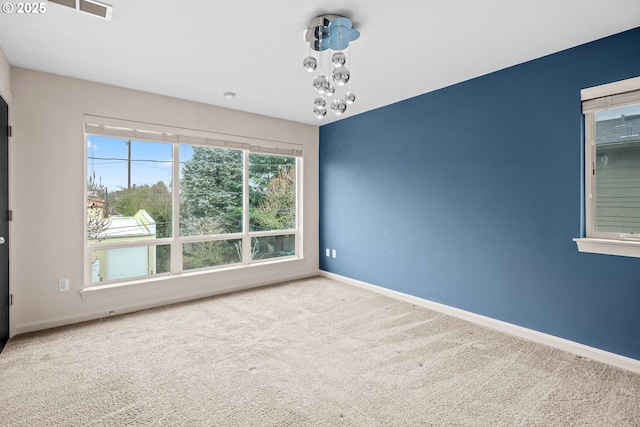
112, 264
618, 176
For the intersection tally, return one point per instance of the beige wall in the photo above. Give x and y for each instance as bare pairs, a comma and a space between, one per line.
47, 179
5, 77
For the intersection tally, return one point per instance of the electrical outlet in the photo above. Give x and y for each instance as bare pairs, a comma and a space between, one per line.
63, 285
333, 253
328, 252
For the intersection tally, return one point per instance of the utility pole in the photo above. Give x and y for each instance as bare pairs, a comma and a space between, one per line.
129, 165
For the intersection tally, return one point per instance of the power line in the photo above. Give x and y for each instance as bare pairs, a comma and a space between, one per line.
126, 160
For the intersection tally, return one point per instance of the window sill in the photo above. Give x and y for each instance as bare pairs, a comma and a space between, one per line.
608, 247
155, 283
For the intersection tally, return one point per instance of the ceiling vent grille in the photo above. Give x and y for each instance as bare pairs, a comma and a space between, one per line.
91, 7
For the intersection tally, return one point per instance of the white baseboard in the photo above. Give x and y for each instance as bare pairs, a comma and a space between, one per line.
26, 327
509, 328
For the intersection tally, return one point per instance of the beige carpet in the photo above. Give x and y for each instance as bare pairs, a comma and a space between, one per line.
307, 353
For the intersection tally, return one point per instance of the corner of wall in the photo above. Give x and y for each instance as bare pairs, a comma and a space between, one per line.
5, 77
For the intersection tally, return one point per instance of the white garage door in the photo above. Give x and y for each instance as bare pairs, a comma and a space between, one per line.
127, 262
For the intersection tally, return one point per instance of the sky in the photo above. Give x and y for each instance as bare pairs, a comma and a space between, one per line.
150, 161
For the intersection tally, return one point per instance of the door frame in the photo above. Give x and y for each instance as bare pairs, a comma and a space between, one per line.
12, 329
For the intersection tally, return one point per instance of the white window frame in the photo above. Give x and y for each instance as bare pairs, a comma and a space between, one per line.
594, 99
117, 128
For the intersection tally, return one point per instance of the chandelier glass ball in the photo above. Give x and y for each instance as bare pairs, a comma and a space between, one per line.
350, 97
338, 59
319, 112
341, 75
338, 106
330, 90
321, 84
310, 63
320, 102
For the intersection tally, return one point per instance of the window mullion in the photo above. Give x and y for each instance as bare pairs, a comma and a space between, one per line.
246, 240
87, 251
176, 246
298, 208
589, 172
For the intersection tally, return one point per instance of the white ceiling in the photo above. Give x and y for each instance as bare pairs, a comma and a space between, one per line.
198, 49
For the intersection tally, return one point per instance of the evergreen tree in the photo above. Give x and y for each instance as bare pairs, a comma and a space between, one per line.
211, 192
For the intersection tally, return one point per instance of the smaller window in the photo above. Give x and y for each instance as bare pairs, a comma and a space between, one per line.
616, 171
612, 169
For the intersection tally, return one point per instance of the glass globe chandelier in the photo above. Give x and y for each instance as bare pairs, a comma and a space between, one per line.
329, 35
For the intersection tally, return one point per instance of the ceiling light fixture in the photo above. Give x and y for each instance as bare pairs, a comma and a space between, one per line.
229, 94
327, 33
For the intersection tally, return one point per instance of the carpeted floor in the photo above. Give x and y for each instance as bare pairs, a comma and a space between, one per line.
312, 352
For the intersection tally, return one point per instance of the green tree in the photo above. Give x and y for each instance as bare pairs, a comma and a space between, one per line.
262, 168
276, 209
211, 192
208, 254
155, 199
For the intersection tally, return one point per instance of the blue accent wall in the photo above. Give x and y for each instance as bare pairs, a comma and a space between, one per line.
471, 195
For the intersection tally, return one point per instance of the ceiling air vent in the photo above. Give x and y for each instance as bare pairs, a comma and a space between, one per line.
91, 7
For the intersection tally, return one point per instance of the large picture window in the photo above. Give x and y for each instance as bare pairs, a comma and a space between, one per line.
160, 202
612, 168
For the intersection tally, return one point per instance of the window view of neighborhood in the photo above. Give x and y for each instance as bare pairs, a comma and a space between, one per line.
130, 207
617, 170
